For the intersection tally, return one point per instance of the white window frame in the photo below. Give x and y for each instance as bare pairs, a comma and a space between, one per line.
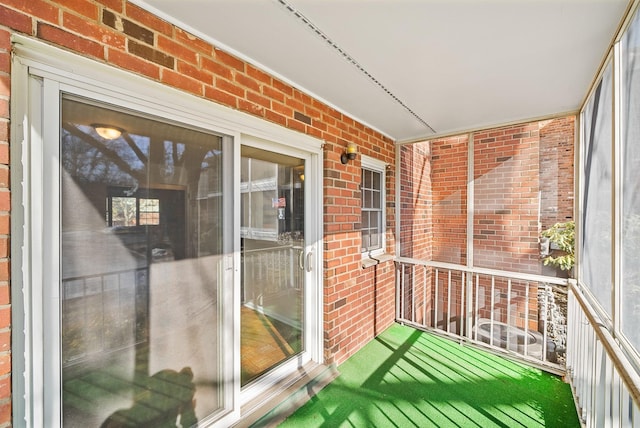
380, 167
35, 392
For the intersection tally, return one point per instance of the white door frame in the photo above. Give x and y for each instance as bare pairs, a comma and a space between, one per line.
39, 73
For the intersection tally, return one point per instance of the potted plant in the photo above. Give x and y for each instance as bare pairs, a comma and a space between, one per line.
561, 246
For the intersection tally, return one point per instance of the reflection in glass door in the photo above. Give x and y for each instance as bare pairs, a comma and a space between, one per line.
141, 291
272, 244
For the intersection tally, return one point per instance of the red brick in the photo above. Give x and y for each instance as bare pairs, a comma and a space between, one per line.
177, 50
229, 87
133, 63
5, 363
4, 154
229, 60
5, 62
84, 7
4, 179
149, 20
179, 81
37, 8
16, 20
4, 108
258, 75
272, 93
93, 31
5, 311
5, 200
5, 386
5, 294
193, 42
216, 68
275, 117
192, 71
5, 223
250, 107
221, 97
146, 52
258, 99
114, 5
247, 82
5, 411
283, 87
71, 41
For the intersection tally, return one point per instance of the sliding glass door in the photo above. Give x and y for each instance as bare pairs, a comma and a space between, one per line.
273, 260
164, 260
142, 243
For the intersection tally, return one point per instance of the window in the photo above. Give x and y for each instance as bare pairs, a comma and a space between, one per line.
373, 196
127, 211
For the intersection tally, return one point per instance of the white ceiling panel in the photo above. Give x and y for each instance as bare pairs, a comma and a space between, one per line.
410, 68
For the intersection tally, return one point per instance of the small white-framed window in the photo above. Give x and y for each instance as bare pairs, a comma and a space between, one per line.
372, 188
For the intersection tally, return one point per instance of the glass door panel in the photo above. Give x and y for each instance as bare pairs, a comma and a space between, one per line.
272, 245
141, 290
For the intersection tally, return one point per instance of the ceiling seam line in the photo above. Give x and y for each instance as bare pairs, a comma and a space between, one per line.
296, 13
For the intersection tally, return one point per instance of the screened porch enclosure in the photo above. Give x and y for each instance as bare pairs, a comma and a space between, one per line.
472, 212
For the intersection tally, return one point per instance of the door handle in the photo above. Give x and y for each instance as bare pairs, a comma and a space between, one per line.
309, 254
301, 259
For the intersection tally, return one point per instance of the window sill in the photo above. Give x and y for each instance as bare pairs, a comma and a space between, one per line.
368, 261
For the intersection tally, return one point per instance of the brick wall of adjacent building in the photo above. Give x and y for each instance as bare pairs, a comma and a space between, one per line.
358, 302
556, 170
522, 183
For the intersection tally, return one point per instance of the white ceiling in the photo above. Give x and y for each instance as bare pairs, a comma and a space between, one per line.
412, 68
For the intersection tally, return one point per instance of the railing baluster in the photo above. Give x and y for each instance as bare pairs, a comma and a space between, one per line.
424, 297
449, 304
413, 293
435, 304
477, 306
493, 292
526, 319
463, 317
509, 314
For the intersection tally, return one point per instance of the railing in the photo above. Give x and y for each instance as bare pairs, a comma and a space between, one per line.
271, 272
605, 385
520, 314
103, 312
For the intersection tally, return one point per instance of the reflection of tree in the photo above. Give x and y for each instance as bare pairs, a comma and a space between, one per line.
89, 159
123, 211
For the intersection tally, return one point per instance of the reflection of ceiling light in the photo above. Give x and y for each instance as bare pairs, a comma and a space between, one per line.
107, 132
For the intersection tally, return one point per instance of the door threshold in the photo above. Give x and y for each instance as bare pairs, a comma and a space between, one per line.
285, 397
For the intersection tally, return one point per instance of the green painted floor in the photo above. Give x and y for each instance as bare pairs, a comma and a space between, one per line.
409, 378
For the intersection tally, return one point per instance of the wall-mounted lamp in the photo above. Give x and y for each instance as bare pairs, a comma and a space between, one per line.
350, 153
107, 132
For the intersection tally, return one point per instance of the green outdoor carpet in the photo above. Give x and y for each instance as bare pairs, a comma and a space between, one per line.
409, 378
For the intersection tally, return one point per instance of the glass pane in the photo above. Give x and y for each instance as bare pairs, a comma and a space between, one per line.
272, 261
375, 196
365, 219
367, 182
596, 259
630, 284
140, 296
123, 211
377, 180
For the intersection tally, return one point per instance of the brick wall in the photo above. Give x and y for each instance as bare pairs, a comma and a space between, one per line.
556, 170
523, 182
506, 178
449, 163
358, 303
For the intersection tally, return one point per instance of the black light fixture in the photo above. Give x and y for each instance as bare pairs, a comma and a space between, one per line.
350, 153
